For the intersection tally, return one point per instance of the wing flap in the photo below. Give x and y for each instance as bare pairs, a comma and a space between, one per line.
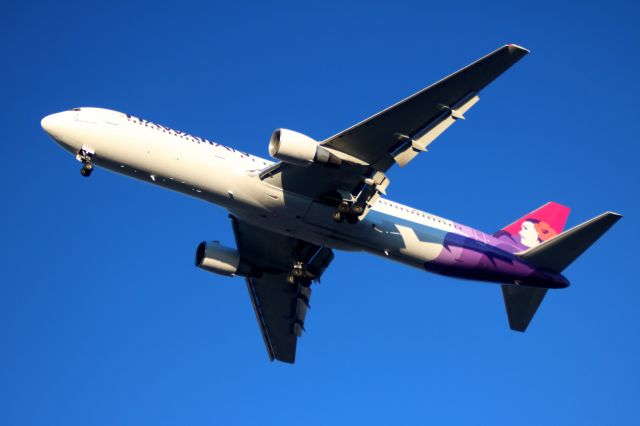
412, 146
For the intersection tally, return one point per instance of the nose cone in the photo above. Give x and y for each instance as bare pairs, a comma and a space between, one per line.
53, 124
60, 126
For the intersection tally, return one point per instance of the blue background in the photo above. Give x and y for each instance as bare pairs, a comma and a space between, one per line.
105, 320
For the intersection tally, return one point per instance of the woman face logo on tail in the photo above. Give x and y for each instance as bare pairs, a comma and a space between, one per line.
534, 232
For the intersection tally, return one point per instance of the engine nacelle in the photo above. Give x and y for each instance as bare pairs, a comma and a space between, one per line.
214, 257
296, 148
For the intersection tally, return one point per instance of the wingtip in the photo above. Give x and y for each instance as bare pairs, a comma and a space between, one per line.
518, 47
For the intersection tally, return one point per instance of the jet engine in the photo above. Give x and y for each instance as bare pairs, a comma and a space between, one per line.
214, 257
298, 149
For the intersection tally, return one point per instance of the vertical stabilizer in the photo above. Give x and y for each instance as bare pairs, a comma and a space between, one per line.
534, 228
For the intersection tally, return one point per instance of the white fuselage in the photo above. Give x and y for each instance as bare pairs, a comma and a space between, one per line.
229, 178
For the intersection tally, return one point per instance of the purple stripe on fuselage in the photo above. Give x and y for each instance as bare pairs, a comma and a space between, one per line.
469, 258
471, 254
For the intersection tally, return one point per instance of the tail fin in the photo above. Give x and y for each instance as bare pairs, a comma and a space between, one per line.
560, 251
538, 226
554, 254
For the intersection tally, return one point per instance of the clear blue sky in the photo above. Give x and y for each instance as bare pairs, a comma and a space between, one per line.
104, 319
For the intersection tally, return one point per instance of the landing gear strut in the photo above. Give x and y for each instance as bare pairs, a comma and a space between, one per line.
84, 156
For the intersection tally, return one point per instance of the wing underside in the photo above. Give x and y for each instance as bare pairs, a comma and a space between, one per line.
280, 306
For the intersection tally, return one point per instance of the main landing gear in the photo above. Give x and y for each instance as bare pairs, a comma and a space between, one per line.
354, 204
300, 276
348, 212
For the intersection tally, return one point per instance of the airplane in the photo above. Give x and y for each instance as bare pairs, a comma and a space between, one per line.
289, 216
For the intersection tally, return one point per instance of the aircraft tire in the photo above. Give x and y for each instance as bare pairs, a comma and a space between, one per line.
86, 169
357, 209
343, 207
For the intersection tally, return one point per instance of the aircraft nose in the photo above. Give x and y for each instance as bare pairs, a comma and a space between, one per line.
52, 124
60, 127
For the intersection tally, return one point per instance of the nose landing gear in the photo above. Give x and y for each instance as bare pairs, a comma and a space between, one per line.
86, 169
84, 156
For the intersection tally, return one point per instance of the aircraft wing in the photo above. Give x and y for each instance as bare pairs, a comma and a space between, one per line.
280, 307
397, 134
416, 121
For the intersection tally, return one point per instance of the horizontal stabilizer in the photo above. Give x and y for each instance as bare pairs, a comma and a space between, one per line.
522, 304
560, 251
